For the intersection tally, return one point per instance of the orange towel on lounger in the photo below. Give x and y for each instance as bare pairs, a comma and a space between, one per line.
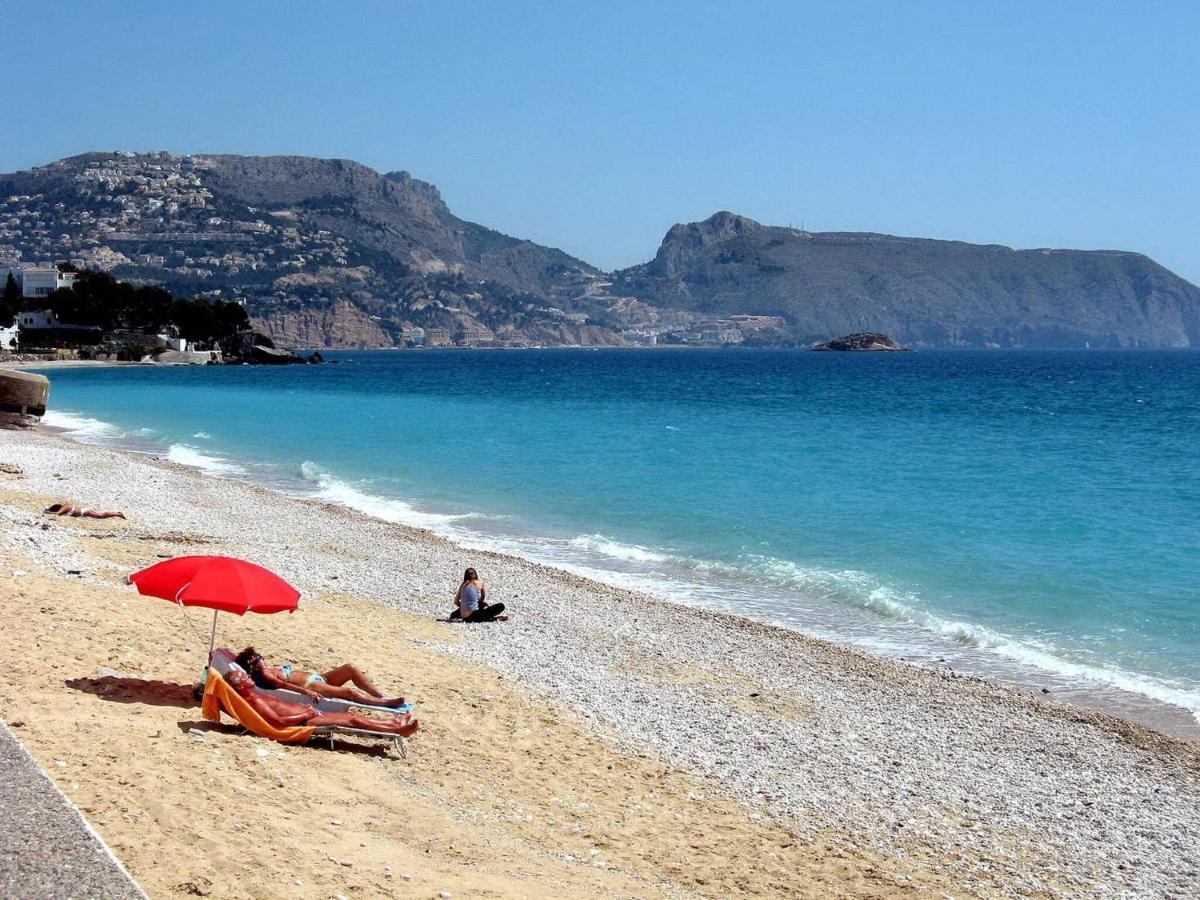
218, 696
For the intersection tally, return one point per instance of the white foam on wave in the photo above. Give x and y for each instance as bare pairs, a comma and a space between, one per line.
869, 593
190, 456
333, 490
79, 426
650, 572
598, 543
203, 435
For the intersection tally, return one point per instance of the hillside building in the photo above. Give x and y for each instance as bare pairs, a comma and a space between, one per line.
473, 337
38, 281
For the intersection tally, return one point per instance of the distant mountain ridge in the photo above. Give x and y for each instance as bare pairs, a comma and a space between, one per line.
920, 291
328, 252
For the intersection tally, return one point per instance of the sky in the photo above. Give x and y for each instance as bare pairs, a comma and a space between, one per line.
594, 127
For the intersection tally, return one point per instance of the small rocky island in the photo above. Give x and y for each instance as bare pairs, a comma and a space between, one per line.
863, 340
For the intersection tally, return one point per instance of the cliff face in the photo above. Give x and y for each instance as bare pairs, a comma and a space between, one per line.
341, 326
394, 214
925, 292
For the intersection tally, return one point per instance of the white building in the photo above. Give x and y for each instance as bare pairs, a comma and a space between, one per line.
39, 281
8, 337
38, 318
174, 343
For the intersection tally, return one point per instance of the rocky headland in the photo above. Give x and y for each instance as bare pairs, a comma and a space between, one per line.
328, 252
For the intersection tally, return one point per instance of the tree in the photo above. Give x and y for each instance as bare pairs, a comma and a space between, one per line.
11, 303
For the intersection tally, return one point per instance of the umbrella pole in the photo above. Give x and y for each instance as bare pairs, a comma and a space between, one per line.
212, 638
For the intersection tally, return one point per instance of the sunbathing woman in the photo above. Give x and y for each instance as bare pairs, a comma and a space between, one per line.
63, 508
315, 684
285, 714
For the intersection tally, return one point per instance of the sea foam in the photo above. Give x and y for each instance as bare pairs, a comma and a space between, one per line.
598, 543
79, 426
190, 456
331, 489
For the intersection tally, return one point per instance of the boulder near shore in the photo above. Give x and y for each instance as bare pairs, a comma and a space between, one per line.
23, 393
863, 340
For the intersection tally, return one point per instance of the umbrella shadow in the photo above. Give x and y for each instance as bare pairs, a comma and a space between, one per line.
116, 689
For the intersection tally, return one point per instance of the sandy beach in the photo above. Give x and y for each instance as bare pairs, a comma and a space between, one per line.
602, 743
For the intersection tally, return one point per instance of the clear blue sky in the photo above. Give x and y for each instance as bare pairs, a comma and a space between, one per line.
594, 127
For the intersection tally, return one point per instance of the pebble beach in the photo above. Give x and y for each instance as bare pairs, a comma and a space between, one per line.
872, 777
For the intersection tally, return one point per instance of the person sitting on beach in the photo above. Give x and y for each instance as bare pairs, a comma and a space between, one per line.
286, 714
471, 601
63, 508
315, 684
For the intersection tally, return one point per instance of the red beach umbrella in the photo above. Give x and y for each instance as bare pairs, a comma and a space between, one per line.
219, 583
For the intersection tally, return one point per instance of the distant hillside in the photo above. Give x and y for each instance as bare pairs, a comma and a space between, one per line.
923, 292
314, 247
329, 252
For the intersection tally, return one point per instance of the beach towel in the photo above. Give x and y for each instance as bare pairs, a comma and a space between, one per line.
219, 696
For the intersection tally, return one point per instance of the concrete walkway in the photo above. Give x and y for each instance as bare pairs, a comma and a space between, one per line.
46, 847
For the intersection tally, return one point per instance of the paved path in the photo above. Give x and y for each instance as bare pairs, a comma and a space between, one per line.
47, 849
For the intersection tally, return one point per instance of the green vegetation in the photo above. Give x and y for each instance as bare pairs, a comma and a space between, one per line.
96, 298
10, 302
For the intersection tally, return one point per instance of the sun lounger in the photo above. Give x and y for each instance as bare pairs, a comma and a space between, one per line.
223, 658
220, 697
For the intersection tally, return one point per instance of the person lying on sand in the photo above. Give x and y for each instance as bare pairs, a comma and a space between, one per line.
471, 601
285, 714
63, 508
315, 684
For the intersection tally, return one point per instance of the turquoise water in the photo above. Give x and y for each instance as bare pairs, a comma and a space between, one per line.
1030, 515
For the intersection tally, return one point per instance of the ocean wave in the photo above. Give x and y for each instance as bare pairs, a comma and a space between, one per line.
333, 490
79, 426
598, 543
190, 456
203, 435
736, 585
869, 593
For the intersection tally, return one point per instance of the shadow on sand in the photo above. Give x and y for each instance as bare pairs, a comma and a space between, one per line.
116, 689
318, 742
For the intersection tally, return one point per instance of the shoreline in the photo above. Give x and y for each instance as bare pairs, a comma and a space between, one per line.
817, 734
1130, 696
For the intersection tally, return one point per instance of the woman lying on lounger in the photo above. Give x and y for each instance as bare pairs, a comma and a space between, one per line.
63, 508
285, 714
314, 684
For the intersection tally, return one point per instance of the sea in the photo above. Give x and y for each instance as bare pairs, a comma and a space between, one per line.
1032, 517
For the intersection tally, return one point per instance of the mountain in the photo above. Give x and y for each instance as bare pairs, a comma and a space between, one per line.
328, 252
319, 248
922, 292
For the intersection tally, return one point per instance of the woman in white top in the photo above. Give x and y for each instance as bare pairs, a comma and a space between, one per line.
471, 601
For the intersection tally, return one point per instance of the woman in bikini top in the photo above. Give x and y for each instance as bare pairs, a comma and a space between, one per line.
315, 684
63, 508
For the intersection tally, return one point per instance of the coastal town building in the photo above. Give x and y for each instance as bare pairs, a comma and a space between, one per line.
8, 337
473, 337
178, 344
640, 338
38, 281
38, 318
715, 334
437, 337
